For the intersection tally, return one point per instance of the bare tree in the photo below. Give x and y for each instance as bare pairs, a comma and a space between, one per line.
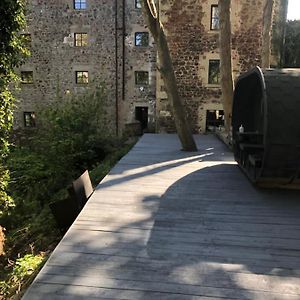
225, 60
267, 28
167, 71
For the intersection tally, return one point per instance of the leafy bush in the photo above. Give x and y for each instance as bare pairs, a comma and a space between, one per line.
6, 202
12, 51
72, 135
73, 131
99, 171
23, 268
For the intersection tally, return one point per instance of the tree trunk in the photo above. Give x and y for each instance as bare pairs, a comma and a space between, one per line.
266, 38
167, 71
2, 239
225, 61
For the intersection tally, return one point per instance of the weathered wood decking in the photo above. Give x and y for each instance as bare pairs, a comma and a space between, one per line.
171, 225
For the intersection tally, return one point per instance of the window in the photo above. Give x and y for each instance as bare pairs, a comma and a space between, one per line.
27, 77
214, 20
80, 4
82, 77
137, 4
29, 119
26, 38
80, 39
141, 39
141, 78
214, 71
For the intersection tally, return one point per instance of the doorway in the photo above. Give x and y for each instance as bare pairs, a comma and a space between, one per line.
141, 115
214, 119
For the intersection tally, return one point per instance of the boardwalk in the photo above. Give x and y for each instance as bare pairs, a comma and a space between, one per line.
171, 225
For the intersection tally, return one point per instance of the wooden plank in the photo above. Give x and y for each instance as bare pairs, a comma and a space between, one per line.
222, 278
171, 225
223, 274
159, 287
178, 238
194, 209
219, 228
161, 256
48, 291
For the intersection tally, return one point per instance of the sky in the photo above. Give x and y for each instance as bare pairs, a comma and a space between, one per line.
294, 10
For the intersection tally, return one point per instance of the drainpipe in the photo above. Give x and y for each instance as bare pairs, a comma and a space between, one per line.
117, 68
123, 50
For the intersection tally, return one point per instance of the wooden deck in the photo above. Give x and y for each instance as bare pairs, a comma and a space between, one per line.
171, 225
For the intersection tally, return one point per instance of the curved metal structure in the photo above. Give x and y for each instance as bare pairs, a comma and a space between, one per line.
267, 105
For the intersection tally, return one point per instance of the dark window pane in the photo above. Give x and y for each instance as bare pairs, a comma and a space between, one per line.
214, 71
29, 119
141, 39
27, 77
141, 78
82, 77
214, 23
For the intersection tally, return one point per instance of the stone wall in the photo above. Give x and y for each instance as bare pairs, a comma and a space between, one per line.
54, 58
192, 44
110, 56
138, 59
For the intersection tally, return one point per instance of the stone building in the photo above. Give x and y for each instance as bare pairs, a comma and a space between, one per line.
77, 43
193, 31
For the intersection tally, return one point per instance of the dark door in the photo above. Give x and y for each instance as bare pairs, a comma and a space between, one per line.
214, 119
141, 114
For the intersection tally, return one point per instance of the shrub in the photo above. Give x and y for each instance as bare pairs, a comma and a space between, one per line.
23, 268
72, 135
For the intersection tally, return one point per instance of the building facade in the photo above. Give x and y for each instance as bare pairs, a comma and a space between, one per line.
192, 28
80, 43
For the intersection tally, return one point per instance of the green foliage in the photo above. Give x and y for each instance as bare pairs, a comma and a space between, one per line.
37, 232
11, 53
292, 45
101, 170
73, 131
31, 183
6, 202
70, 138
23, 268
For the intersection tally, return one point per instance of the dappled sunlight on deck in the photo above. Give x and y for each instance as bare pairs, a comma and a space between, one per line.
166, 224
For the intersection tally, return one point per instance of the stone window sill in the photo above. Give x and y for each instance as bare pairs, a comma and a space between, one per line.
213, 31
214, 86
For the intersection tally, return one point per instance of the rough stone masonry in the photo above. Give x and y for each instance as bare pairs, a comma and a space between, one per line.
108, 42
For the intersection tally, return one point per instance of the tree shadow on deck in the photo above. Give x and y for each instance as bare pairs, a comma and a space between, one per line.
227, 238
211, 234
148, 160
